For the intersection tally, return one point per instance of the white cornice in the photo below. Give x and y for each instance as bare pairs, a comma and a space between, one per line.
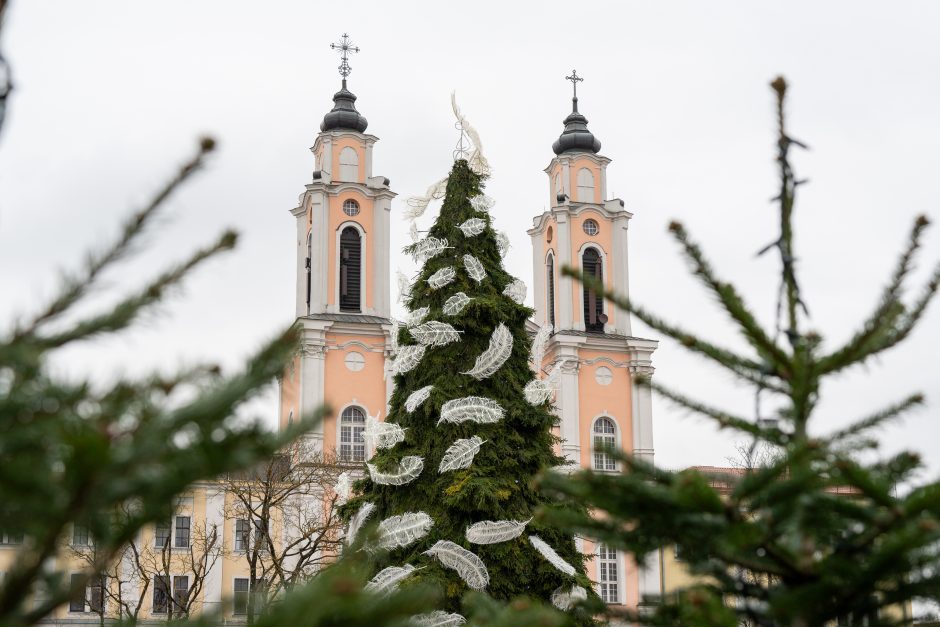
335, 189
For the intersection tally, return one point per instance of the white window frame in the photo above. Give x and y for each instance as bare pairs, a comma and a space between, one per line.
348, 171
247, 592
585, 190
617, 445
617, 561
363, 251
339, 430
605, 278
245, 542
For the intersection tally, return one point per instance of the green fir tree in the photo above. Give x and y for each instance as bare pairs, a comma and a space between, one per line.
819, 535
503, 440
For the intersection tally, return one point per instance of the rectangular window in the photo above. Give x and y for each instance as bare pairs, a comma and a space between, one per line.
95, 594
242, 527
76, 594
608, 574
80, 535
161, 535
11, 538
161, 594
180, 592
182, 532
240, 598
261, 534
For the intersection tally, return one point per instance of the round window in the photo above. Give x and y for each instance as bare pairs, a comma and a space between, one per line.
603, 375
355, 361
548, 235
590, 227
351, 207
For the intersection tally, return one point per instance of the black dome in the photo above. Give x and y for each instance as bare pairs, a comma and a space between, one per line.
576, 135
344, 114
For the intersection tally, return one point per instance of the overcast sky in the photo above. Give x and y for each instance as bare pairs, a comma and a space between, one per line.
110, 97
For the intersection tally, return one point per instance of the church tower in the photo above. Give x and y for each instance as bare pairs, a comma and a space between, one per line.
342, 289
597, 401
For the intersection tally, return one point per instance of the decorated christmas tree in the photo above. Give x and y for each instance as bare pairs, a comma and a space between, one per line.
469, 428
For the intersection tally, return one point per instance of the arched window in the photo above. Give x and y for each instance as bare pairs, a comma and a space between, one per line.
550, 287
592, 265
308, 265
352, 443
350, 270
608, 574
605, 437
348, 164
585, 185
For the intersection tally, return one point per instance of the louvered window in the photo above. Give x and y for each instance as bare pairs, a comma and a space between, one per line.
550, 280
593, 302
350, 270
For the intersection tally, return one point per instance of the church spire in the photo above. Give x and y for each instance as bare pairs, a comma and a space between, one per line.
344, 114
576, 135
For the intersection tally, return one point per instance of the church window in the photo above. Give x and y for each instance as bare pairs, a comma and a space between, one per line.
608, 574
594, 318
308, 266
352, 443
354, 361
348, 164
350, 269
351, 207
605, 437
585, 185
550, 287
590, 227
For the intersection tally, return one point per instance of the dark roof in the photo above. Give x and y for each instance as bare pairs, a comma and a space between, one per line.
576, 135
344, 114
612, 336
349, 317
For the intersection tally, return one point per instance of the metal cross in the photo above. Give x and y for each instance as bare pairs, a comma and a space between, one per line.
345, 47
575, 79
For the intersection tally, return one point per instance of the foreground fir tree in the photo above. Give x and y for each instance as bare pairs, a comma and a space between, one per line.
450, 485
817, 534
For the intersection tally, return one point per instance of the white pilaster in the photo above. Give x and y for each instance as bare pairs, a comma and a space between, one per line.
301, 215
312, 377
568, 409
565, 294
319, 261
620, 273
538, 278
650, 579
381, 268
215, 517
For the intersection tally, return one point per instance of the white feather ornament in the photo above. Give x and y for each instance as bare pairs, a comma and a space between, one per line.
516, 291
342, 488
387, 580
470, 567
442, 277
438, 618
356, 522
417, 205
428, 248
413, 232
538, 391
502, 243
409, 357
564, 599
475, 159
493, 531
539, 342
474, 268
472, 408
455, 304
393, 336
473, 226
434, 333
383, 434
402, 530
492, 359
460, 454
417, 316
404, 287
550, 554
481, 202
417, 397
408, 470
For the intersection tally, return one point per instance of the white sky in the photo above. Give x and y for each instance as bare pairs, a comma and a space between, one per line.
110, 96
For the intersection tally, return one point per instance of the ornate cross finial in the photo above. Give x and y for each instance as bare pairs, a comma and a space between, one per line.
345, 47
575, 79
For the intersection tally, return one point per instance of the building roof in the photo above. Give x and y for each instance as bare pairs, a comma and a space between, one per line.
344, 115
576, 136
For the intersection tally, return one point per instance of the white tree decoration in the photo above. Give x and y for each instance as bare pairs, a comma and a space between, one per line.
356, 522
428, 248
550, 554
393, 336
434, 333
475, 159
417, 205
460, 454
409, 357
474, 408
470, 567
455, 304
473, 226
342, 488
417, 316
413, 232
404, 287
493, 531
538, 391
442, 277
402, 530
474, 268
417, 397
564, 599
502, 243
492, 359
481, 202
408, 470
383, 434
387, 580
516, 291
537, 354
438, 618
